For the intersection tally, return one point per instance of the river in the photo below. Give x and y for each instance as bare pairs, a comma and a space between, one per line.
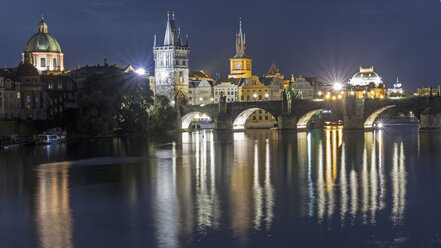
258, 188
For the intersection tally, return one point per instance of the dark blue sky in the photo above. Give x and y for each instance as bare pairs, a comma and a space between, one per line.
329, 39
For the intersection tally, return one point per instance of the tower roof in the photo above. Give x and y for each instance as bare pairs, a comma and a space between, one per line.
273, 70
172, 38
240, 43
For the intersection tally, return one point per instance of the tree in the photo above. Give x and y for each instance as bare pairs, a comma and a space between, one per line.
162, 116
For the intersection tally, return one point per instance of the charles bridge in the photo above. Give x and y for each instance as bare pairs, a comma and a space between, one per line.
357, 114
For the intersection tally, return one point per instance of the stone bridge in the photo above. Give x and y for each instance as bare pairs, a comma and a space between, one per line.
356, 113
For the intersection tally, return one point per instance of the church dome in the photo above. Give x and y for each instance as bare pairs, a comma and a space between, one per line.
43, 41
365, 77
26, 69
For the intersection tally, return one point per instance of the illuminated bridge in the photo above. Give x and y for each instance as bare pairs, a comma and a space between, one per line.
356, 113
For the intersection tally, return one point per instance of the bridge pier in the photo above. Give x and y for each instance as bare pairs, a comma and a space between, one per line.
430, 119
223, 121
353, 113
287, 121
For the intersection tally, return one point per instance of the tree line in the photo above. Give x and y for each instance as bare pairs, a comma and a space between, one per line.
122, 103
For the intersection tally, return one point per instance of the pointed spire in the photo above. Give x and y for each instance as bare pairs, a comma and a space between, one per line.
173, 15
169, 39
240, 42
179, 37
186, 40
273, 70
154, 40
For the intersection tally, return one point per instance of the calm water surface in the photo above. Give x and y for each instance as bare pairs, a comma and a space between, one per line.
245, 189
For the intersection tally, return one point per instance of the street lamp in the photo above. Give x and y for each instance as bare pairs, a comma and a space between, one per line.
254, 96
140, 71
266, 96
338, 86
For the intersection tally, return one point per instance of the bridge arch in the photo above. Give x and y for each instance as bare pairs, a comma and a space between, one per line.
188, 118
241, 119
304, 120
369, 123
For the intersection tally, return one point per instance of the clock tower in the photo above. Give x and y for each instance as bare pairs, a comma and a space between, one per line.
240, 64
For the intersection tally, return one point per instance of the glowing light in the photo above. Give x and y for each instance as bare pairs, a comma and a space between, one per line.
381, 96
266, 95
339, 96
200, 98
212, 99
380, 125
327, 96
333, 98
338, 86
255, 95
320, 93
140, 71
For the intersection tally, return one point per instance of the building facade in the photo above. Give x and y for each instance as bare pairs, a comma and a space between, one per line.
171, 64
22, 94
44, 51
304, 86
200, 92
226, 87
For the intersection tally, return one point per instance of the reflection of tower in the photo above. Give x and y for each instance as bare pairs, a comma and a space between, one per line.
166, 212
171, 64
52, 206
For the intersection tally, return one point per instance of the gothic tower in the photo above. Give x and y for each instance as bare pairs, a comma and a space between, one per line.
171, 64
240, 64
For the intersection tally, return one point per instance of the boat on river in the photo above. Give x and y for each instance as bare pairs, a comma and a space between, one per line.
52, 136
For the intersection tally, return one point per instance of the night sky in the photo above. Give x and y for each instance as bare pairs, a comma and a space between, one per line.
325, 38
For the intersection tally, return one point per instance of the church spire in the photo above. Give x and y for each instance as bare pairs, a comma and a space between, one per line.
172, 38
240, 43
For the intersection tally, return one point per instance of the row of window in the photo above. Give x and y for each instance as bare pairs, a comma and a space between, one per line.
43, 62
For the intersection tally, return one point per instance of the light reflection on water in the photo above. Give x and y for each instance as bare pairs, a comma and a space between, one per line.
205, 185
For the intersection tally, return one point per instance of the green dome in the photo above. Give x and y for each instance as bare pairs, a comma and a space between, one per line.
43, 42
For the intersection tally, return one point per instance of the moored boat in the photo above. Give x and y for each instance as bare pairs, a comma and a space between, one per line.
52, 136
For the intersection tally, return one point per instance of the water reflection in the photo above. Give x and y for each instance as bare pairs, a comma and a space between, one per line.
52, 205
237, 185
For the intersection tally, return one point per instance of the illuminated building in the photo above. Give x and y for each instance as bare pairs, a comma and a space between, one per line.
171, 64
397, 90
225, 87
240, 64
304, 86
365, 77
427, 91
200, 92
253, 89
44, 51
366, 84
